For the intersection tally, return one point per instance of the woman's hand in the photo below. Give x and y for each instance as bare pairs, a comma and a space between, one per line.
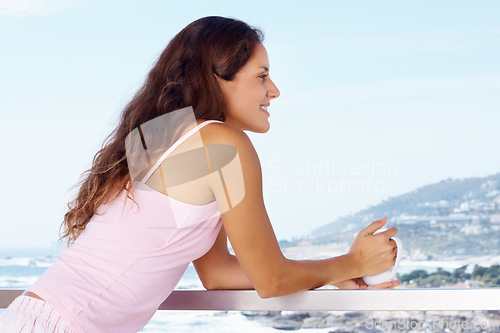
358, 283
374, 254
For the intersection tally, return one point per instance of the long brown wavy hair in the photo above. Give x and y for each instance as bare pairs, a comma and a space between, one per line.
182, 76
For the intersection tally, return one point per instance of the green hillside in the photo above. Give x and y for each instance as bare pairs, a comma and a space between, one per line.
452, 218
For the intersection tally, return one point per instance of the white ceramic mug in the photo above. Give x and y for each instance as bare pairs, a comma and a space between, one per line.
389, 275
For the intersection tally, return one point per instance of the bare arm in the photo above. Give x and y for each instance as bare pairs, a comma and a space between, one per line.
248, 228
219, 269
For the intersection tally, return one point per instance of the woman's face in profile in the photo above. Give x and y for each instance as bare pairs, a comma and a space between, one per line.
249, 94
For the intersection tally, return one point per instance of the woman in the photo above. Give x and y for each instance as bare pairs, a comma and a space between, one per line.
174, 181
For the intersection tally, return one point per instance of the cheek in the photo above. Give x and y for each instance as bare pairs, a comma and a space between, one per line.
245, 95
255, 94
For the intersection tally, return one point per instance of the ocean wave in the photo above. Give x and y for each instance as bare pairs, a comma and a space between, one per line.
9, 281
189, 284
203, 321
27, 261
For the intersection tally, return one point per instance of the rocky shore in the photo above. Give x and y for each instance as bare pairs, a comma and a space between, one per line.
381, 321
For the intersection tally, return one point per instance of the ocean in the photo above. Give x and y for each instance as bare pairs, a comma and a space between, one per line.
21, 268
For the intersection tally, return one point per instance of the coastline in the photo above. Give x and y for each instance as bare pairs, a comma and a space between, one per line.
20, 271
380, 321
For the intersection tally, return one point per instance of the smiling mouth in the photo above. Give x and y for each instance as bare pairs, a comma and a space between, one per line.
263, 108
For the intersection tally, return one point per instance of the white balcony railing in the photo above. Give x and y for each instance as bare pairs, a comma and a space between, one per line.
325, 300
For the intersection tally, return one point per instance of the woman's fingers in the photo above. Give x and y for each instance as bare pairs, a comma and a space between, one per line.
374, 226
391, 232
375, 253
395, 254
385, 285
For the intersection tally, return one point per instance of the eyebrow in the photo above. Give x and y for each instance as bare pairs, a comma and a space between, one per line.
265, 68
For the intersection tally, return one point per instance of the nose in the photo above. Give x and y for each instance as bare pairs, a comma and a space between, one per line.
272, 91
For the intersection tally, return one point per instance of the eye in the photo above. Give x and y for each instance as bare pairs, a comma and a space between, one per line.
263, 76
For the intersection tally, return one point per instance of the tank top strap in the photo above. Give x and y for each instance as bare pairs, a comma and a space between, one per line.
175, 145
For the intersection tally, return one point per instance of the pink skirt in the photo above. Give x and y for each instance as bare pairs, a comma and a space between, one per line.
27, 314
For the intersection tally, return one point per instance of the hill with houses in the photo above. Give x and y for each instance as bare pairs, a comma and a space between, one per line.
452, 219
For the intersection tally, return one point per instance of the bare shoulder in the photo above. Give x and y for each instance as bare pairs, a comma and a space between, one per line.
230, 150
224, 134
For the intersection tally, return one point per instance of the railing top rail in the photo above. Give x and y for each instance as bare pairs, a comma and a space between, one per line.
324, 300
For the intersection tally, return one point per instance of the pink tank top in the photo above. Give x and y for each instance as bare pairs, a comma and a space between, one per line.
128, 259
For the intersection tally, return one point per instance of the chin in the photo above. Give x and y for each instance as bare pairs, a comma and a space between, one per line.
263, 128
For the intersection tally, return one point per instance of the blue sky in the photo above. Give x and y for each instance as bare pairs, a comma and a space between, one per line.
377, 99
